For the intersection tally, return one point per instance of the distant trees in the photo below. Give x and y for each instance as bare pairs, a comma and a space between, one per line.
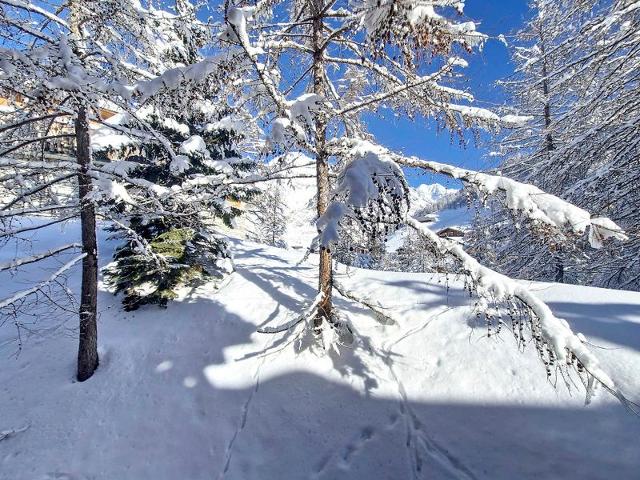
268, 216
577, 77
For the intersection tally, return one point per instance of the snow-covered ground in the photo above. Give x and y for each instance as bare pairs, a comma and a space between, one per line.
193, 392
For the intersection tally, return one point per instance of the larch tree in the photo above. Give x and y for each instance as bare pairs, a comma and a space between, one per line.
319, 66
577, 76
268, 216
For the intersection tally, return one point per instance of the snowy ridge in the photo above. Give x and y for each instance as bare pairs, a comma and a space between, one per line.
426, 196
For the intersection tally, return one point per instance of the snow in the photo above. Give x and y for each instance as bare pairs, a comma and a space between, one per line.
108, 189
236, 30
302, 108
299, 200
279, 130
194, 144
460, 217
426, 196
176, 126
189, 392
299, 119
375, 13
360, 183
452, 217
103, 137
230, 123
179, 164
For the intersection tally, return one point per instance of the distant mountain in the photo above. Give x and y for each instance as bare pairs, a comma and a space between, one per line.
429, 198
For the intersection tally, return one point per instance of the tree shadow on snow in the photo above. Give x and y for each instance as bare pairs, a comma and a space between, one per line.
605, 321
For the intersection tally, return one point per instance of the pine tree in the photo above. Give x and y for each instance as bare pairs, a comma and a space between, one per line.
59, 63
177, 247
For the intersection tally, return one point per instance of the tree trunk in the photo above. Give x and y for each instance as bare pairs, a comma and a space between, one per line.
88, 345
549, 144
559, 270
325, 274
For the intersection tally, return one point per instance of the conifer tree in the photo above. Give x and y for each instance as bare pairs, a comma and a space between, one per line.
176, 246
269, 217
60, 63
576, 77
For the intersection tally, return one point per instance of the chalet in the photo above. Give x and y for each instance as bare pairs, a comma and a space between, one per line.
61, 125
451, 232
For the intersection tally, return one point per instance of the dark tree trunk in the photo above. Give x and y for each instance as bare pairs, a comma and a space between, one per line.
325, 274
88, 345
549, 143
559, 270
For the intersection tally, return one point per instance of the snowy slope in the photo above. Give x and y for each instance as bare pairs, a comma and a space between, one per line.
189, 392
425, 197
299, 195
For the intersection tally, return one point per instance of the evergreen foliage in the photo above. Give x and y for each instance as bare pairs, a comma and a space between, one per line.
165, 251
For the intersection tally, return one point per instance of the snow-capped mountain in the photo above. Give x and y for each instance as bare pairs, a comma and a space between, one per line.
426, 197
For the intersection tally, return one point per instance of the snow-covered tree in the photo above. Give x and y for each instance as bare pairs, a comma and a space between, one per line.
320, 65
268, 216
576, 77
174, 245
59, 63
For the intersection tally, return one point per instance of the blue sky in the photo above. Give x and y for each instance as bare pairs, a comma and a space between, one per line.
421, 137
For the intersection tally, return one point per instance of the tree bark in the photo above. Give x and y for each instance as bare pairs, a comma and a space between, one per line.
88, 344
549, 143
325, 273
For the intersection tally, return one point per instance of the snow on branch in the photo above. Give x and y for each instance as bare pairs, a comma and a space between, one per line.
30, 7
554, 333
174, 78
16, 297
520, 197
307, 315
18, 262
293, 117
369, 184
395, 19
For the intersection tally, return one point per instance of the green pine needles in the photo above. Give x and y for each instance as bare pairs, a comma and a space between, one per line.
174, 257
170, 240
